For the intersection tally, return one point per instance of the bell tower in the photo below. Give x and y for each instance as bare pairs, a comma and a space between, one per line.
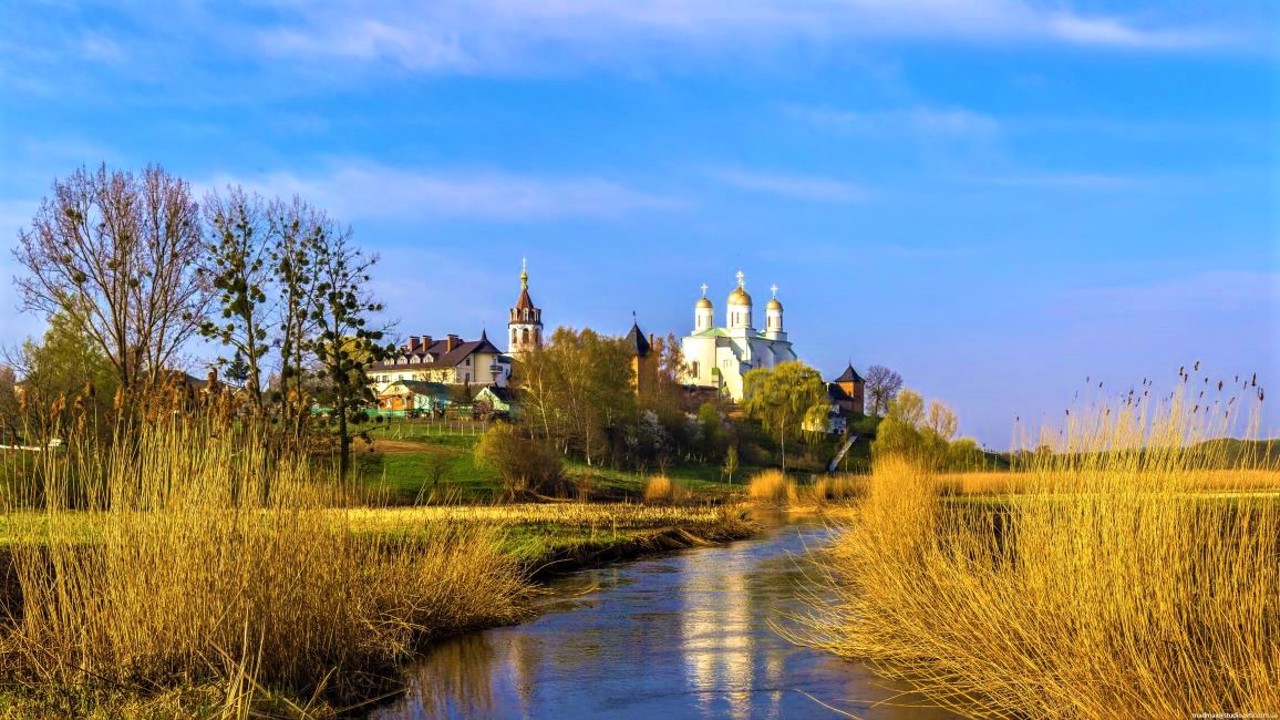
524, 330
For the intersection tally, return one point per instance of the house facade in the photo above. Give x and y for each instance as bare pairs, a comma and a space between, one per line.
449, 361
405, 396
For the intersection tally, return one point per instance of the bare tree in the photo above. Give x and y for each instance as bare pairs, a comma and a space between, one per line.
116, 253
883, 385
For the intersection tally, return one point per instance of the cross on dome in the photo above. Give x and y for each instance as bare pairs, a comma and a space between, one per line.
775, 290
742, 282
704, 289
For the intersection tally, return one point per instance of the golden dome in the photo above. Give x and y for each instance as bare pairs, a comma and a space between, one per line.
774, 305
704, 304
739, 297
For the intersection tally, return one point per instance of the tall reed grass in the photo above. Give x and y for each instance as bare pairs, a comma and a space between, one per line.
660, 488
211, 558
1109, 586
772, 486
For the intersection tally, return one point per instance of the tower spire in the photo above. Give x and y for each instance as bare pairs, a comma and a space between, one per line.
524, 273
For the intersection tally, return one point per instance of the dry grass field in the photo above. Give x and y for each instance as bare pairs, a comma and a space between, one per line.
1130, 584
193, 564
1016, 483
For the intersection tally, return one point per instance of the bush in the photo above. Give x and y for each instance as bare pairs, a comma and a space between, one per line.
772, 486
661, 488
526, 465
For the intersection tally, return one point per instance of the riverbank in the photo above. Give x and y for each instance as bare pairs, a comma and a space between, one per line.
530, 542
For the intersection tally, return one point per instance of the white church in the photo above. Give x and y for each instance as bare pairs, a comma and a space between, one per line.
718, 357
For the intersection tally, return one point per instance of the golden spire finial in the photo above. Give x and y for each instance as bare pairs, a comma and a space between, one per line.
524, 273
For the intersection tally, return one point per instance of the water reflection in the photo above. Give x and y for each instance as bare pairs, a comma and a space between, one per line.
685, 636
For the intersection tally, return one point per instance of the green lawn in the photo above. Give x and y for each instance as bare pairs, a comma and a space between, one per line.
407, 472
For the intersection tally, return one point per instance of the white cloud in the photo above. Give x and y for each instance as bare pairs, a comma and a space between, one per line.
799, 187
515, 35
369, 190
1113, 32
920, 120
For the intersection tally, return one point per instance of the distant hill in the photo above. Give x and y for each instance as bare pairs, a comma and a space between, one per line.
1258, 454
1219, 453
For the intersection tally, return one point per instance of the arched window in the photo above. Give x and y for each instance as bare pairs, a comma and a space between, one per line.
524, 335
694, 368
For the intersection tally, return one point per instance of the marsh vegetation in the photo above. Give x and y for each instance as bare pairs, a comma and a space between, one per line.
1128, 574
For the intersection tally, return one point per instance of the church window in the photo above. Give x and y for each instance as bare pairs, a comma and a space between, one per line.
695, 368
524, 335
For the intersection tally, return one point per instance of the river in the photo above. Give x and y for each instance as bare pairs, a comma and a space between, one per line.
688, 635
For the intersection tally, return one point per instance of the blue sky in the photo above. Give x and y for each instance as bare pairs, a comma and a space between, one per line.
997, 198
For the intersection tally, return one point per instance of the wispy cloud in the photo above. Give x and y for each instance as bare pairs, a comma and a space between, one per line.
1067, 180
514, 35
918, 120
363, 189
811, 188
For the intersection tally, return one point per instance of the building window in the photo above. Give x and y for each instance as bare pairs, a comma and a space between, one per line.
524, 335
694, 368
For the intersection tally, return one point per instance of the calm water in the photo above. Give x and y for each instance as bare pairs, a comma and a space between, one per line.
682, 636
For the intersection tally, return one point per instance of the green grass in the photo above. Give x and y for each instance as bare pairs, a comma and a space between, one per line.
406, 475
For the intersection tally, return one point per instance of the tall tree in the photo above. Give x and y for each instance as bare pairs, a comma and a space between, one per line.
883, 386
116, 254
922, 435
236, 263
578, 389
297, 229
62, 368
347, 342
10, 418
780, 398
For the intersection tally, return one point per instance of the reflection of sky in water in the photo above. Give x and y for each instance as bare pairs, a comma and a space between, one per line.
683, 636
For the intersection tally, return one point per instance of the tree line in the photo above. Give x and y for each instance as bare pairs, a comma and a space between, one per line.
129, 268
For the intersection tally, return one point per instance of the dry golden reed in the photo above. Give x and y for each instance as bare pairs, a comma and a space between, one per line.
838, 488
208, 558
1110, 585
660, 488
772, 486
